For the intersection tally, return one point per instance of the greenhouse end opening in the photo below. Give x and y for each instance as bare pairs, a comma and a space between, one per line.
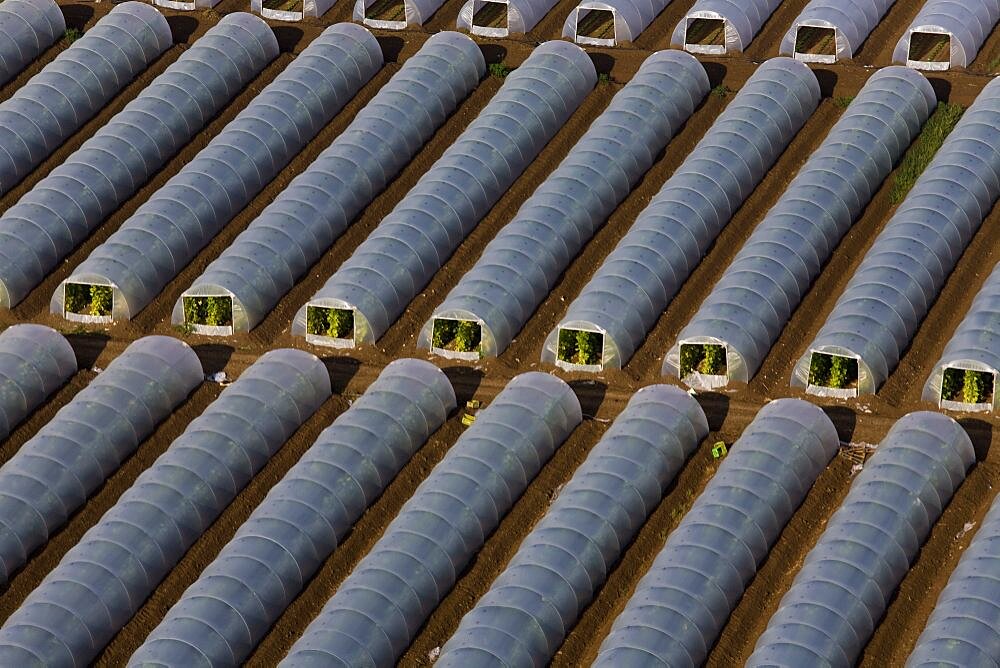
209, 314
460, 339
706, 359
816, 44
334, 324
390, 14
705, 35
595, 27
929, 50
489, 18
581, 348
295, 6
967, 389
85, 302
838, 373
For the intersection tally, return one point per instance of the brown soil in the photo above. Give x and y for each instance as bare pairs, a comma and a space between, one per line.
603, 396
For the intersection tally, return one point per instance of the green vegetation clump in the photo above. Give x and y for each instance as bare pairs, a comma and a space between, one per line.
500, 70
580, 347
603, 78
337, 323
84, 299
834, 371
967, 386
211, 311
463, 336
722, 91
706, 358
935, 131
843, 102
72, 34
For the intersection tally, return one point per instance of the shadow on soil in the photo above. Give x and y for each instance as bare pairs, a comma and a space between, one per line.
981, 433
465, 380
88, 347
214, 357
591, 395
342, 370
844, 419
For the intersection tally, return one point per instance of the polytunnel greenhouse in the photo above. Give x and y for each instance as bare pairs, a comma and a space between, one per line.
899, 278
964, 629
104, 578
739, 321
68, 204
290, 10
947, 33
291, 234
55, 472
35, 361
721, 26
502, 18
391, 592
69, 91
965, 378
125, 273
868, 545
681, 605
634, 284
564, 561
394, 14
374, 286
518, 268
830, 30
609, 22
27, 28
302, 520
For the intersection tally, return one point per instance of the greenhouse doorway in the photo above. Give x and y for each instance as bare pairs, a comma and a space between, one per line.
704, 365
596, 27
457, 339
580, 349
705, 35
816, 44
211, 315
490, 18
832, 375
385, 14
328, 326
970, 390
929, 50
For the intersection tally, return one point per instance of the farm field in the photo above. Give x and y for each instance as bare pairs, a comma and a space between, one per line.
603, 396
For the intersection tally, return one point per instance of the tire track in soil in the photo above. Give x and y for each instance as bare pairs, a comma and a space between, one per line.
207, 547
767, 41
877, 49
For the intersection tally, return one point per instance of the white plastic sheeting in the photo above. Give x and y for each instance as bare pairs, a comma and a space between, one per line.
53, 473
741, 20
301, 521
849, 577
682, 604
410, 244
975, 345
757, 293
309, 9
264, 262
850, 20
27, 28
630, 18
378, 609
186, 5
68, 204
899, 278
964, 629
70, 90
415, 12
521, 16
183, 216
532, 605
965, 23
519, 266
636, 282
35, 361
104, 579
